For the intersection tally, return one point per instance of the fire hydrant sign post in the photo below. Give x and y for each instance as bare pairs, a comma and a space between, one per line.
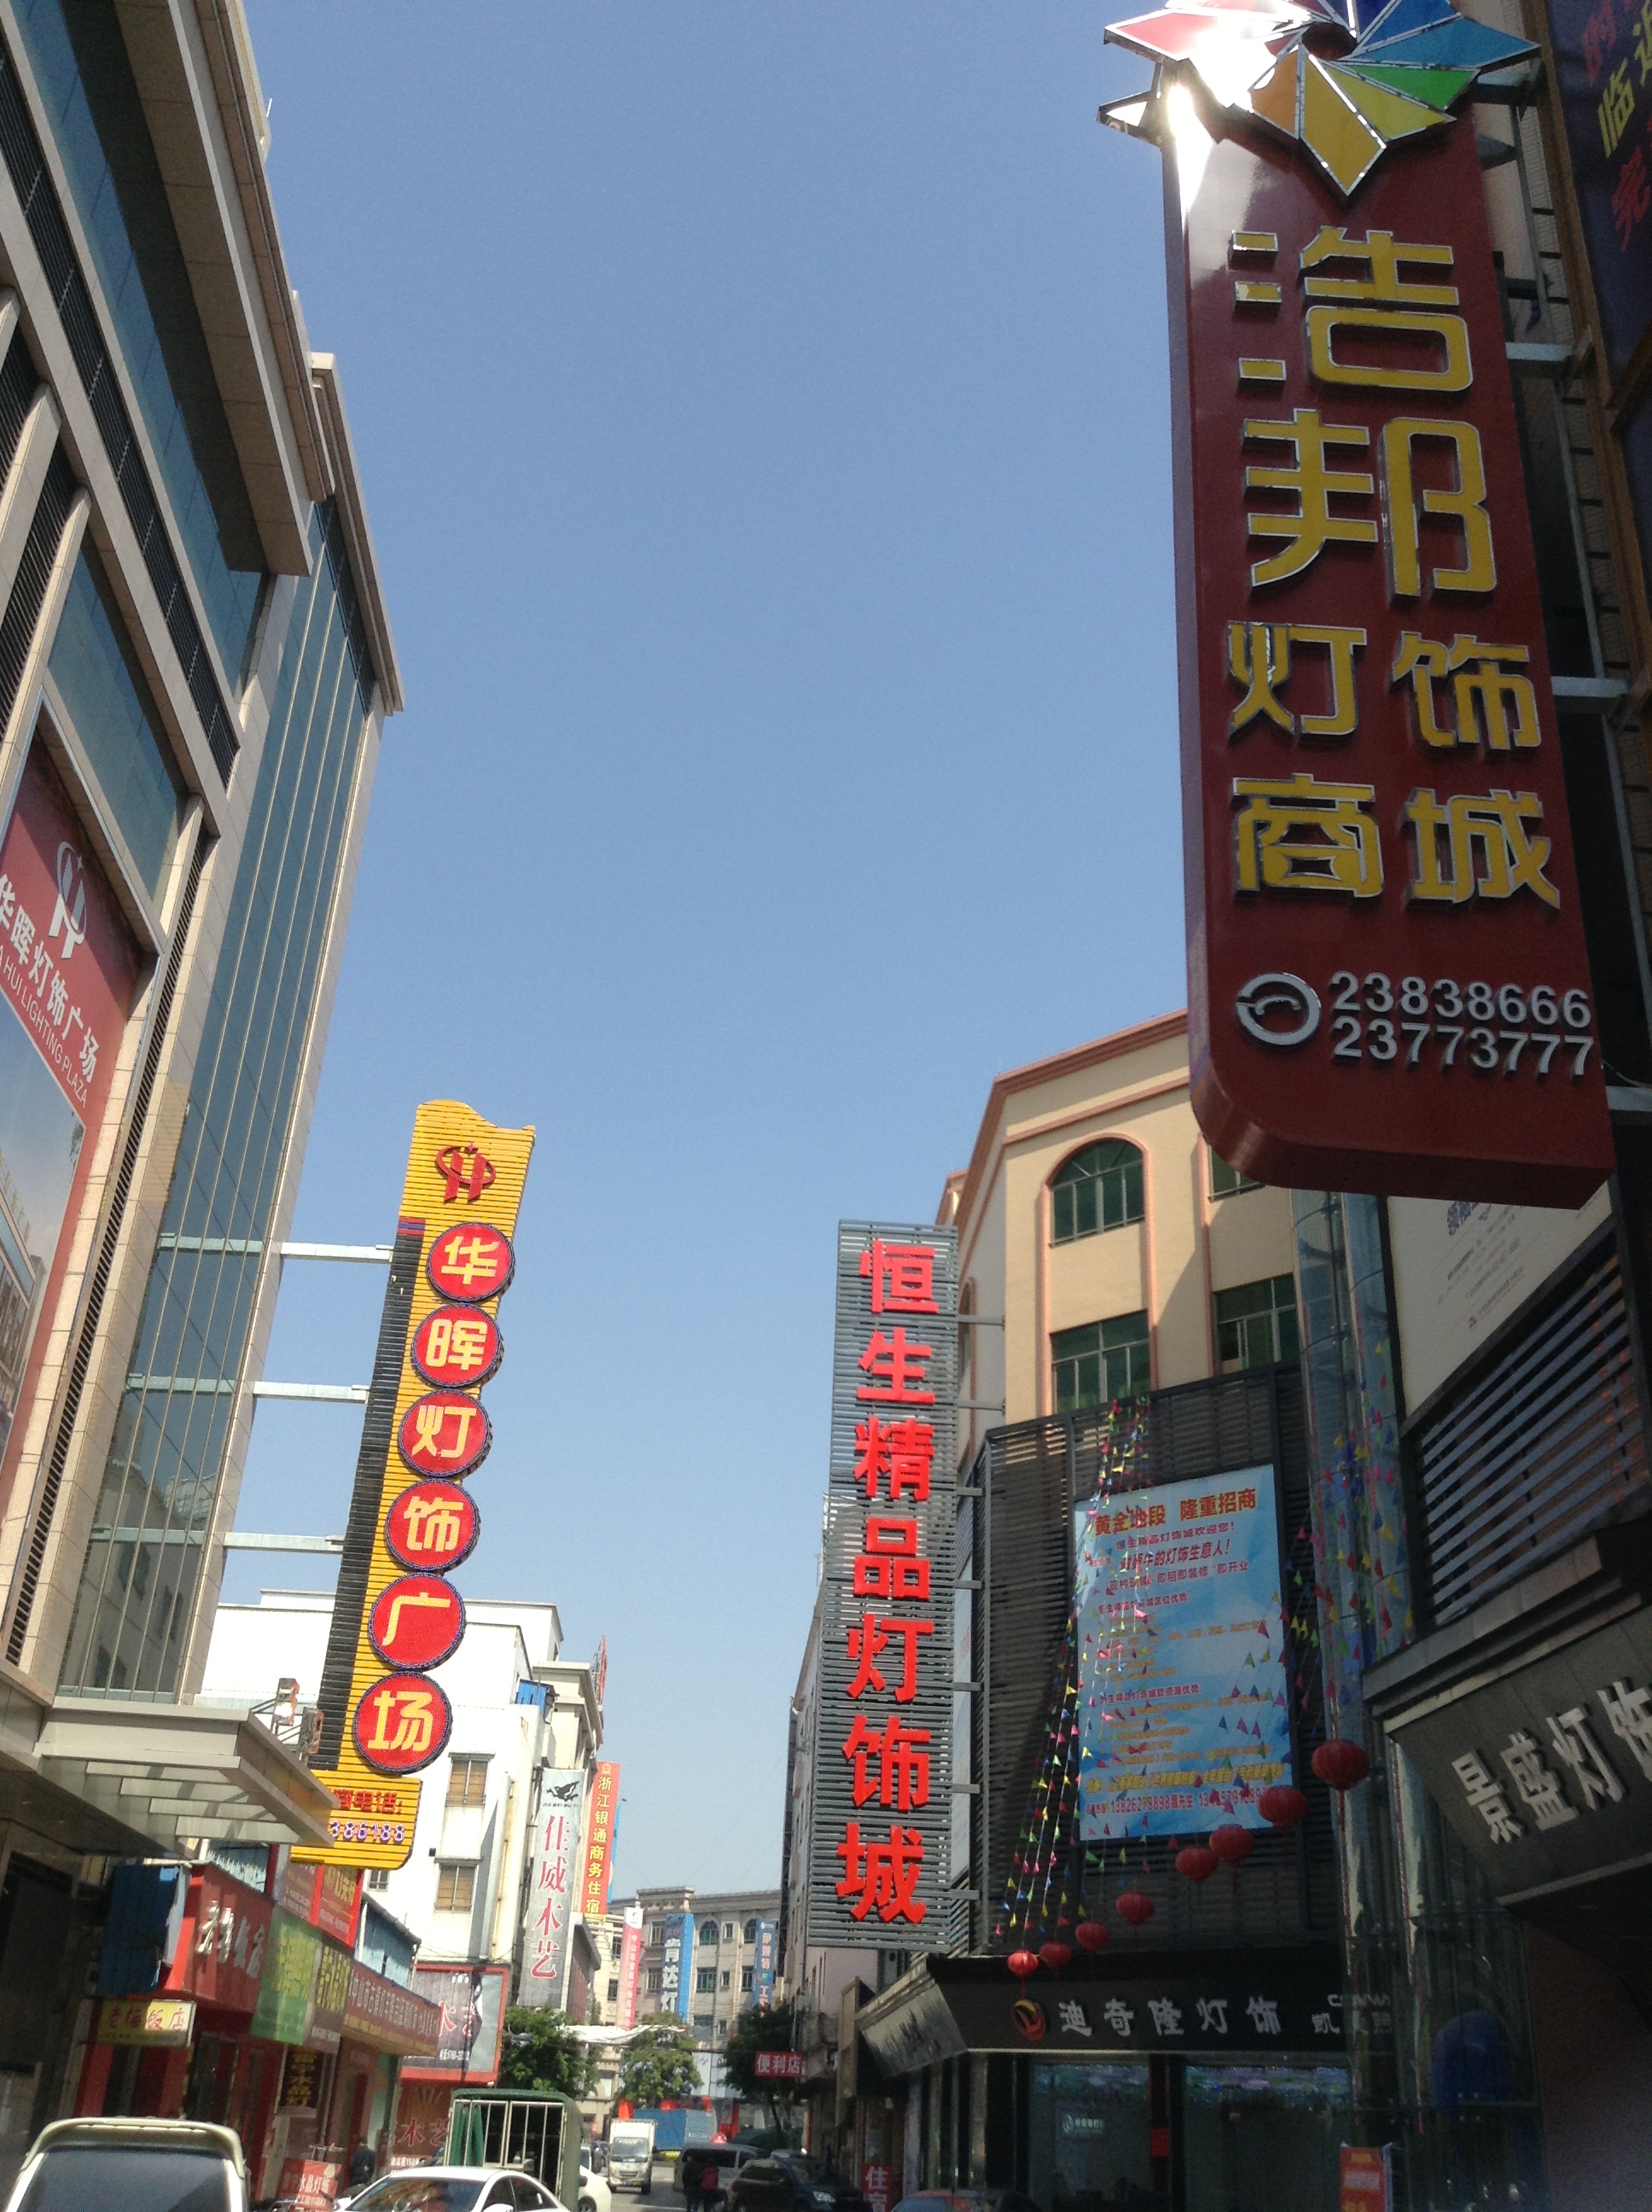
1388, 988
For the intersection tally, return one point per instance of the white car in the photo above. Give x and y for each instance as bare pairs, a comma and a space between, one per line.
453, 2189
595, 2195
156, 2163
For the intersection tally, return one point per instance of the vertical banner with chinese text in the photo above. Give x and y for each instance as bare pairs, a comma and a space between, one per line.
551, 1884
412, 1517
879, 1845
1388, 987
598, 1856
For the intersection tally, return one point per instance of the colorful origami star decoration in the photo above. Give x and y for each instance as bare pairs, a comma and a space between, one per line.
1310, 70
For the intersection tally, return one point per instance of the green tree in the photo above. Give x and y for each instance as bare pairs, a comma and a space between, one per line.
541, 2052
755, 2031
659, 2063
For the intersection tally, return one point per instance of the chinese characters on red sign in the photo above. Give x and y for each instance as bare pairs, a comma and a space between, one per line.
883, 1768
1389, 989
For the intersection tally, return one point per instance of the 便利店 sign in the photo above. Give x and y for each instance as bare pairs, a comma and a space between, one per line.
881, 1827
1388, 987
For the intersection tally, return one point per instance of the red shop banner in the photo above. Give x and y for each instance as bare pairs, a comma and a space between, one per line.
1388, 988
68, 977
221, 1945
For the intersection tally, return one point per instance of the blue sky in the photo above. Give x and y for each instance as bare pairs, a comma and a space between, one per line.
763, 413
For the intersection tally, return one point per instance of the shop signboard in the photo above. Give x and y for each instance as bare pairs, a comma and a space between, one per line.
631, 1965
879, 1848
598, 1860
169, 2022
1461, 1270
1600, 52
397, 1616
779, 2065
221, 1953
1364, 2179
1546, 1772
1184, 1718
381, 2013
549, 1912
764, 1955
677, 1964
470, 2000
331, 2001
301, 2082
69, 976
1389, 985
287, 1992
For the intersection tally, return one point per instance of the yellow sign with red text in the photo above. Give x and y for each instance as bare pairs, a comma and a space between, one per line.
394, 1623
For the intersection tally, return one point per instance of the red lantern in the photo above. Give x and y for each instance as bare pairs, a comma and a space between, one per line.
1232, 1844
1340, 1764
1282, 1806
1055, 1955
1134, 1907
1195, 1863
1020, 1964
1092, 1937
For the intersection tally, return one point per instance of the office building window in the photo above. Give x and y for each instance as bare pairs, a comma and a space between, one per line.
1097, 1189
455, 1886
1256, 1324
379, 1878
728, 1931
467, 1781
651, 1981
107, 695
708, 1933
705, 1980
656, 1932
722, 2030
1228, 1182
613, 1990
751, 1931
1092, 1366
745, 1978
702, 2025
616, 1949
723, 1982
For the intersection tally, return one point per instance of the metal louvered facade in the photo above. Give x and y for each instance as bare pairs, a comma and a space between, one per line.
1542, 1443
1031, 1476
886, 1665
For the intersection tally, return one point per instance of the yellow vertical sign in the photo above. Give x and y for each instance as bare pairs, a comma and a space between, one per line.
463, 1192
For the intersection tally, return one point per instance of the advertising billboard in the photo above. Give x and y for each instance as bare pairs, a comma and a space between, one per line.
397, 1616
881, 1834
471, 2037
763, 1957
550, 1910
677, 1964
630, 1965
1183, 1690
597, 1865
68, 977
1388, 987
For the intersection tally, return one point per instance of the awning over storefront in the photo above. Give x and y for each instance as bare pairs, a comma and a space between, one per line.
169, 1773
1251, 2003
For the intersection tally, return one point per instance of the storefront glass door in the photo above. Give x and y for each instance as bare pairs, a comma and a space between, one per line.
1263, 2138
1089, 2139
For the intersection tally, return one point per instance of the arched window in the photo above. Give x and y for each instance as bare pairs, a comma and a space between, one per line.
751, 1931
1097, 1189
708, 1933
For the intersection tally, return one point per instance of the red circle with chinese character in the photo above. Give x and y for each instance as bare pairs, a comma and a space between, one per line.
431, 1527
402, 1723
470, 1262
457, 1345
417, 1622
444, 1433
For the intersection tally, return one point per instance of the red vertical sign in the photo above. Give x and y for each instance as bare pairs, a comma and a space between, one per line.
1388, 987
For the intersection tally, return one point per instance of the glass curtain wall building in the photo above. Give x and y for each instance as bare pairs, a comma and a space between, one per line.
195, 668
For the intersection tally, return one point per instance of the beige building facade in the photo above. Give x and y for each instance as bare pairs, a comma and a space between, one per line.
1103, 1248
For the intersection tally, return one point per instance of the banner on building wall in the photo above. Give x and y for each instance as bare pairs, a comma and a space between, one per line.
598, 1864
471, 2037
1388, 988
1183, 1691
631, 1965
676, 1965
883, 1813
69, 977
763, 1958
397, 1617
552, 1881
